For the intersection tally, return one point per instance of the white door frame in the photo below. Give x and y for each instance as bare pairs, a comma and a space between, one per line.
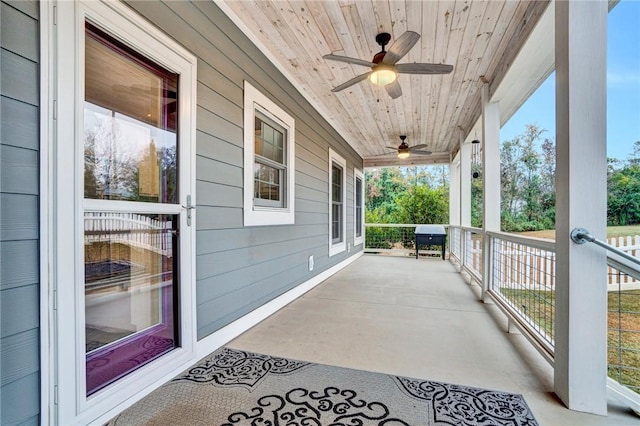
63, 393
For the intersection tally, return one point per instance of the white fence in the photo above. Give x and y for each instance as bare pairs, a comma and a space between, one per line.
532, 265
129, 228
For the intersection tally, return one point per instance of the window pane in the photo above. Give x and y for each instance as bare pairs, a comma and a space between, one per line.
129, 286
258, 136
358, 203
336, 201
336, 183
269, 139
336, 223
130, 140
267, 184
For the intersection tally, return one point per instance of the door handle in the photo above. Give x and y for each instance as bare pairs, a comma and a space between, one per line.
189, 207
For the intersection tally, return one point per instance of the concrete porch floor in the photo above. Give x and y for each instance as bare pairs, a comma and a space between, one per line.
416, 318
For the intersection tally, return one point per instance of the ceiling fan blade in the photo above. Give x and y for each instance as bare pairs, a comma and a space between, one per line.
420, 152
424, 68
420, 146
349, 60
351, 82
395, 148
394, 90
401, 47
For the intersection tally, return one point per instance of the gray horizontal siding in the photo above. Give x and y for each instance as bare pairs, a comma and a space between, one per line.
19, 356
20, 221
20, 402
220, 150
17, 30
19, 311
18, 170
18, 123
19, 261
19, 232
28, 7
17, 77
237, 268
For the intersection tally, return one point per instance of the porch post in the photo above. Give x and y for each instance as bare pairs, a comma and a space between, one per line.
454, 207
465, 182
490, 180
454, 191
465, 195
581, 194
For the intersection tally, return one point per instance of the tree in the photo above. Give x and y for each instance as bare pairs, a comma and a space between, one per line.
421, 204
528, 181
623, 194
382, 188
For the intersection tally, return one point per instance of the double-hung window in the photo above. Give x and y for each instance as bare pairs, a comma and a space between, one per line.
270, 168
358, 209
269, 156
337, 203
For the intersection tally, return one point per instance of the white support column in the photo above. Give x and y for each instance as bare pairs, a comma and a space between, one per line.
465, 182
454, 191
581, 194
490, 179
490, 161
454, 206
465, 195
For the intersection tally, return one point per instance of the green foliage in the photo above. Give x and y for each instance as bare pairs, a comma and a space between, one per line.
476, 195
407, 195
421, 204
623, 203
527, 166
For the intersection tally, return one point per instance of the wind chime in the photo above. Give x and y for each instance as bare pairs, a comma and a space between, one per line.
475, 158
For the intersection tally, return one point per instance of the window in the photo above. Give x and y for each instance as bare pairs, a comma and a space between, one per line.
358, 210
270, 167
269, 155
337, 203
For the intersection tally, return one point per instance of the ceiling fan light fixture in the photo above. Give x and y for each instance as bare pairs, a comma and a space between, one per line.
382, 75
403, 151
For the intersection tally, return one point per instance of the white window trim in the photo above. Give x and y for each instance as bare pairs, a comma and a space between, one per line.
336, 248
65, 301
263, 215
357, 174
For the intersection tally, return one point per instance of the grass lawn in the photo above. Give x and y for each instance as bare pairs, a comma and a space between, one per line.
623, 335
612, 231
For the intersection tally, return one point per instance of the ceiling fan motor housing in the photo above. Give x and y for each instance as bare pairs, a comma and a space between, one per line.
382, 39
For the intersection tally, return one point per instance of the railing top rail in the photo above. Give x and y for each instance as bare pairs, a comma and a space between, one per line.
581, 236
402, 225
472, 229
539, 243
623, 265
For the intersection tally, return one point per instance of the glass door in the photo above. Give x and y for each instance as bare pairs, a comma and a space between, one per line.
131, 210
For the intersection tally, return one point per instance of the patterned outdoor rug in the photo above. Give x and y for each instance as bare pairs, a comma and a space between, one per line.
232, 387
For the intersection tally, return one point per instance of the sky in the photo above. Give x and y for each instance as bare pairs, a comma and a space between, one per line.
623, 88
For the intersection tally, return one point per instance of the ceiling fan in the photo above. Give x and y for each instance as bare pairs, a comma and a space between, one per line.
404, 150
384, 70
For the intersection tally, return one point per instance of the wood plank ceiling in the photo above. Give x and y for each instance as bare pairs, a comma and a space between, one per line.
480, 38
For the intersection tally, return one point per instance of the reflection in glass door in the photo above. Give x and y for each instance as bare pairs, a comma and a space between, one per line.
129, 287
131, 217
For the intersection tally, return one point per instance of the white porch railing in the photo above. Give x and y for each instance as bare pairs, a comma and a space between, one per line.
522, 283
